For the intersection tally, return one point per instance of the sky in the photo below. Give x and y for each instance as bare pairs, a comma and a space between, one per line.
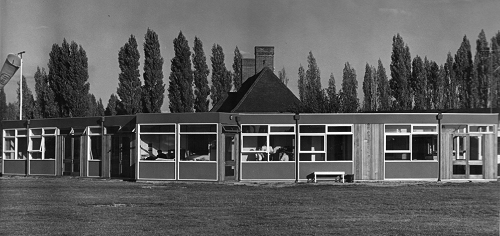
335, 31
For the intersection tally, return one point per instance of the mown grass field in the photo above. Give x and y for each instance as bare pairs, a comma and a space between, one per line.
76, 206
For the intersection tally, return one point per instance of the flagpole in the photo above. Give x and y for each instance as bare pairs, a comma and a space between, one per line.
21, 87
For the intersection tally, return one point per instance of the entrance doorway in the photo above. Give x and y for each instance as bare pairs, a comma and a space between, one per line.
468, 156
71, 160
120, 156
230, 156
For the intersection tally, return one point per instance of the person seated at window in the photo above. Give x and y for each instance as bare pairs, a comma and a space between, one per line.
151, 157
275, 153
284, 156
251, 156
161, 154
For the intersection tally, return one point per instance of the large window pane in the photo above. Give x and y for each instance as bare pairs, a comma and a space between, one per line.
397, 143
423, 128
254, 143
397, 128
10, 133
10, 144
157, 128
476, 169
198, 147
288, 129
96, 147
22, 148
36, 144
312, 129
151, 144
254, 156
50, 147
312, 157
9, 155
312, 143
198, 128
459, 169
339, 147
397, 156
254, 129
424, 147
476, 147
281, 147
339, 129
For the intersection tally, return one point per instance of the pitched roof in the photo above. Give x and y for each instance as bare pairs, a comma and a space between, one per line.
263, 92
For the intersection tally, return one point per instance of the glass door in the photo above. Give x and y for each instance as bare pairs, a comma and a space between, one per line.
120, 156
468, 151
230, 152
71, 161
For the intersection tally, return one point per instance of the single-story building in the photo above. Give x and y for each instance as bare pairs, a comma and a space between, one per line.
237, 142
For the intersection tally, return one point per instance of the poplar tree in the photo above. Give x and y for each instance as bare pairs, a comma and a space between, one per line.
237, 73
180, 89
29, 107
495, 57
153, 90
92, 111
45, 98
12, 111
333, 98
369, 89
111, 108
431, 84
313, 94
221, 77
383, 89
400, 74
467, 88
482, 70
129, 83
3, 105
68, 78
201, 89
282, 76
349, 95
450, 85
418, 83
302, 83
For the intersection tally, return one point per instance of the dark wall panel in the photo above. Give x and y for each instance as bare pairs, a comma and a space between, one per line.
95, 168
42, 167
15, 167
411, 170
157, 170
268, 170
197, 171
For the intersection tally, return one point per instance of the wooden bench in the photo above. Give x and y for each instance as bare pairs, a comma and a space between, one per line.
327, 174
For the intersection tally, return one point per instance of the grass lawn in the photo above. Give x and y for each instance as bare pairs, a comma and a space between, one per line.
78, 206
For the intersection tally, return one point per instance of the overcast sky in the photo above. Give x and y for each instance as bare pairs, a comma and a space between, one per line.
336, 31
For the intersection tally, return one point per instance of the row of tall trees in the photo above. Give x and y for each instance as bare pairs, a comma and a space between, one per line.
188, 89
462, 82
417, 83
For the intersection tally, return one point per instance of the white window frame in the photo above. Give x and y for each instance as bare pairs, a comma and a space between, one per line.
340, 133
139, 133
178, 137
42, 135
243, 135
410, 133
313, 135
91, 134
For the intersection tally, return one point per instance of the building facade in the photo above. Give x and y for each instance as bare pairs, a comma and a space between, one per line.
220, 146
